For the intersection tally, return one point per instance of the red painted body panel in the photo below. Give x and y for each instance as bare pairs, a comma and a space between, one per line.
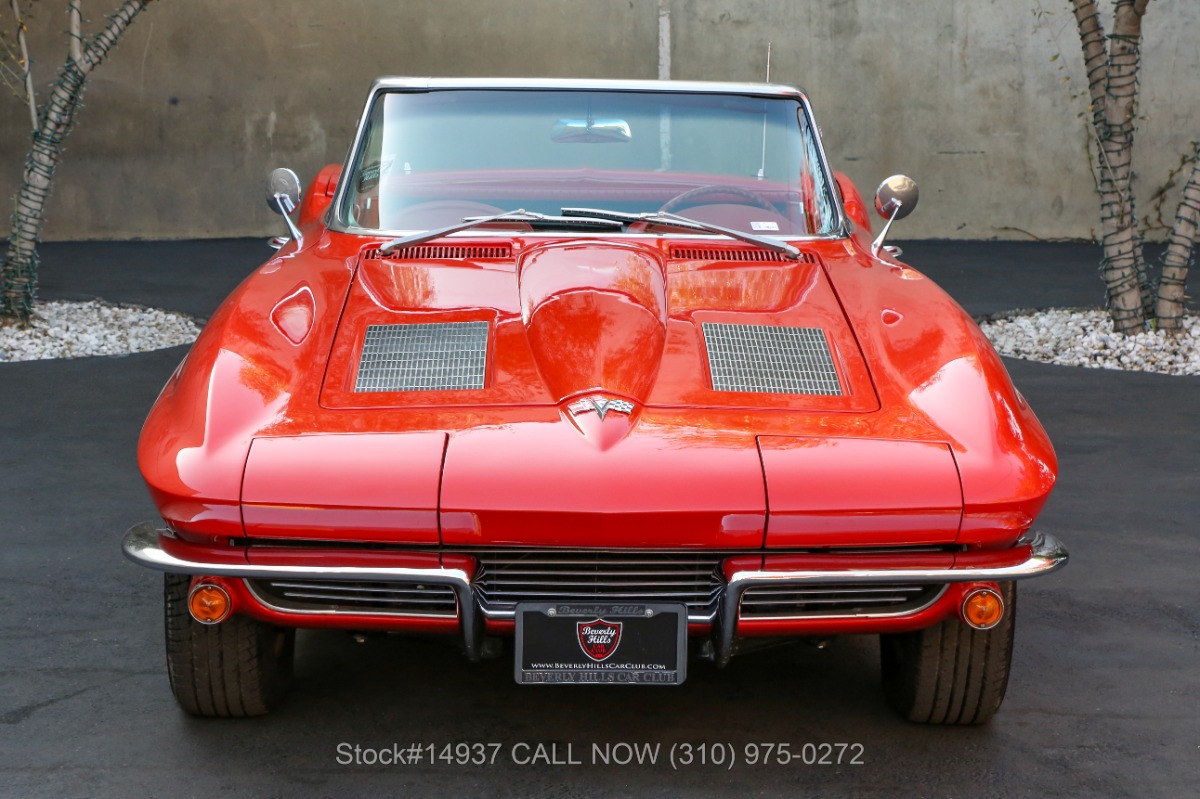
319, 195
297, 486
882, 493
595, 316
569, 492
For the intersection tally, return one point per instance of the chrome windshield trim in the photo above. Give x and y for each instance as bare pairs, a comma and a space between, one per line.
831, 186
390, 84
401, 83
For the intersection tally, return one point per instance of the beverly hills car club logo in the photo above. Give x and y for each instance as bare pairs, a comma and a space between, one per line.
599, 639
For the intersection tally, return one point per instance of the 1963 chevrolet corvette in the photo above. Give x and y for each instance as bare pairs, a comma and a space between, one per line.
612, 369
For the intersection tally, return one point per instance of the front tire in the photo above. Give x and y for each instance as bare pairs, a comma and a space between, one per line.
238, 668
950, 673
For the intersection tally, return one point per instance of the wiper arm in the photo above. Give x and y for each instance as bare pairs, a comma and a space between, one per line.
548, 222
683, 222
519, 215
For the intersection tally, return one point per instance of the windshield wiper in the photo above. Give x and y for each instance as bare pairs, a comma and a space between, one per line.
683, 222
536, 220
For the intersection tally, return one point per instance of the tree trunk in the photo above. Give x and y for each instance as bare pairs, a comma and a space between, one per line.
19, 272
1178, 255
1113, 87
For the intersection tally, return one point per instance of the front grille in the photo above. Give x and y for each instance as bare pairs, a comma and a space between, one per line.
506, 577
428, 356
791, 602
343, 596
767, 359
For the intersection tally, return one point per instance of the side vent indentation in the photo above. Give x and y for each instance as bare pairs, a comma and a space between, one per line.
770, 360
436, 356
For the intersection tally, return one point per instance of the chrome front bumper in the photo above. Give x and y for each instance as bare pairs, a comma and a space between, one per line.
142, 545
1046, 554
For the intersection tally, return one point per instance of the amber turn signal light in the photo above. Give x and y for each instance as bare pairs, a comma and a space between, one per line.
209, 603
982, 608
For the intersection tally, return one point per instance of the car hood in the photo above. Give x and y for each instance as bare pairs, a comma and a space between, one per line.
630, 365
525, 391
479, 323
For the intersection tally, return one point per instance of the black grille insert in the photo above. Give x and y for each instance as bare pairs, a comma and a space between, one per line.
850, 599
344, 596
506, 577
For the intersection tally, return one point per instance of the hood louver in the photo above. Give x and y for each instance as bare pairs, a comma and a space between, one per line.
740, 254
770, 360
443, 252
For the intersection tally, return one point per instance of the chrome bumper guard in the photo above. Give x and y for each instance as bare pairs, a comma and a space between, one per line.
1047, 554
141, 545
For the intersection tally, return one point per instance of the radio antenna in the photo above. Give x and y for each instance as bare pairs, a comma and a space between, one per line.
768, 62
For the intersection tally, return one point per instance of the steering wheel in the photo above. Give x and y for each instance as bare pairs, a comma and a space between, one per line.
690, 197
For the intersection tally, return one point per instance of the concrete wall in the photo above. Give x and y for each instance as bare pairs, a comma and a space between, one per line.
203, 97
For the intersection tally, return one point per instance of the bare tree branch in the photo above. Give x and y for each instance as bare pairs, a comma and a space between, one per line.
25, 63
108, 37
19, 273
76, 30
1178, 256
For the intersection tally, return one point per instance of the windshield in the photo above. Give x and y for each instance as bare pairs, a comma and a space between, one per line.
431, 159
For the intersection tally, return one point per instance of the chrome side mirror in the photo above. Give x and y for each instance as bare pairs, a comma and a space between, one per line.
283, 197
895, 199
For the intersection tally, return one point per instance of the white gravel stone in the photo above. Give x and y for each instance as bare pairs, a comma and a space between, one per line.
1085, 337
82, 329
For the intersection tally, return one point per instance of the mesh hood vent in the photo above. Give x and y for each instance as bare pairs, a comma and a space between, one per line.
747, 255
443, 252
435, 356
770, 360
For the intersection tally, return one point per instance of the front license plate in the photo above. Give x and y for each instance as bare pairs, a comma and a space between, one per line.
601, 643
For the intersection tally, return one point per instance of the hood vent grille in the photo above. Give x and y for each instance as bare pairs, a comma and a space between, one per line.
443, 252
436, 356
743, 255
770, 360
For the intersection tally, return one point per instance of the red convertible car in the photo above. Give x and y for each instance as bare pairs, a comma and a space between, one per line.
605, 375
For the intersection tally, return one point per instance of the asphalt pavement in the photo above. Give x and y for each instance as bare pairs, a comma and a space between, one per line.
1104, 698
